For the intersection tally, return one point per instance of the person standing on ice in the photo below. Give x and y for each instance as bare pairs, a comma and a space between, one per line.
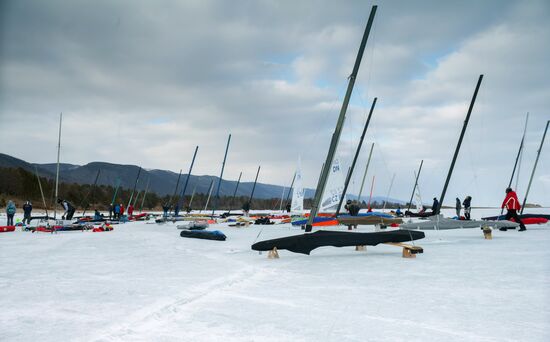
130, 210
27, 209
467, 207
246, 208
121, 209
435, 206
458, 207
117, 211
165, 208
511, 203
10, 212
111, 211
69, 209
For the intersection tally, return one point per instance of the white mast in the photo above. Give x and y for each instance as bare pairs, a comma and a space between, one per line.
389, 190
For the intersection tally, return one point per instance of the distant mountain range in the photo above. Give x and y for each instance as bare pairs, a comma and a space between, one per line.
161, 182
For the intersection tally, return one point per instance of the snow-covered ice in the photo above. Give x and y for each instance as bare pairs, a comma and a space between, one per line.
143, 282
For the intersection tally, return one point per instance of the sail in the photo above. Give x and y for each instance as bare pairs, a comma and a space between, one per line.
334, 188
417, 198
298, 191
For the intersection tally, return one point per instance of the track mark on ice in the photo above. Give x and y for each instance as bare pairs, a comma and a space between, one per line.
151, 316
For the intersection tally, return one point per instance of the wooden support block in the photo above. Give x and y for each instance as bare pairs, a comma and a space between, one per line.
360, 248
409, 251
273, 254
488, 233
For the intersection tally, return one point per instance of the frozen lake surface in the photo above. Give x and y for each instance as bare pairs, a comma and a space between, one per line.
143, 282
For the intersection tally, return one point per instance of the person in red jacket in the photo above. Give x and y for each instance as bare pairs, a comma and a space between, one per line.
130, 210
121, 209
511, 203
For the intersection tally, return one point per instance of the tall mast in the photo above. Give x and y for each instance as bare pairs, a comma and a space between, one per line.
57, 169
534, 167
371, 189
182, 195
339, 125
415, 185
521, 152
518, 156
352, 167
176, 189
365, 174
290, 189
209, 193
136, 199
144, 194
442, 197
388, 194
135, 185
235, 192
116, 190
217, 198
41, 192
254, 186
91, 193
282, 198
192, 195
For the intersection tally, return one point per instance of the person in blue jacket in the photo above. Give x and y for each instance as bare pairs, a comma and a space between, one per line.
117, 211
10, 212
97, 215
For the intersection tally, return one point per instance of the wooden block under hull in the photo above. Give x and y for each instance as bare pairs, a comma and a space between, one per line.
409, 251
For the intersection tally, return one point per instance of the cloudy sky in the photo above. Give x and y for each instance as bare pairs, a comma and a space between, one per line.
143, 82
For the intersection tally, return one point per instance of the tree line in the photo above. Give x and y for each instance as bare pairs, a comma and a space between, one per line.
20, 185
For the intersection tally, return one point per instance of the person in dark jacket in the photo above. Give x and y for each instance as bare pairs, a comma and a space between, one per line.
288, 207
97, 215
177, 210
69, 209
10, 212
511, 203
435, 206
467, 207
246, 208
165, 208
353, 210
27, 209
458, 207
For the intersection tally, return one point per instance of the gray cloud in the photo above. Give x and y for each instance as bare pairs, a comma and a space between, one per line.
143, 83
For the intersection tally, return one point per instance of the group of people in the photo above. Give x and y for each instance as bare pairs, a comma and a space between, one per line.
117, 210
11, 210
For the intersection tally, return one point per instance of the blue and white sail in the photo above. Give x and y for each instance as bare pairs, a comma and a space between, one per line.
334, 188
